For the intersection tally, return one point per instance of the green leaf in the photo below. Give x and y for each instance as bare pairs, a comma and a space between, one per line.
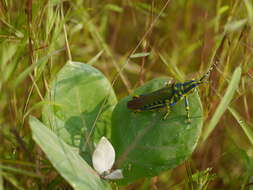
81, 105
223, 9
137, 55
233, 85
235, 25
65, 159
113, 7
147, 145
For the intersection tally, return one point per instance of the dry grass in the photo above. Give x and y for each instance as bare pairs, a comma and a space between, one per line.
181, 38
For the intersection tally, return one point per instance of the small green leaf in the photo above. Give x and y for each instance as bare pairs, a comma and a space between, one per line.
114, 7
223, 9
137, 55
145, 144
81, 105
233, 85
235, 25
65, 159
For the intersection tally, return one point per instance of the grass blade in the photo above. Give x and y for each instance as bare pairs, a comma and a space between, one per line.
19, 171
95, 58
233, 85
249, 8
1, 180
12, 180
245, 127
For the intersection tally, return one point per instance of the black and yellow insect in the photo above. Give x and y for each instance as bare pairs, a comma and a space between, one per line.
167, 96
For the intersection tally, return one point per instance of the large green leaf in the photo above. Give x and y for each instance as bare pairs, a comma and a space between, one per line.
147, 145
66, 160
77, 96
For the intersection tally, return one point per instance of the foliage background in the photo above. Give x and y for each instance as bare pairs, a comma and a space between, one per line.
181, 36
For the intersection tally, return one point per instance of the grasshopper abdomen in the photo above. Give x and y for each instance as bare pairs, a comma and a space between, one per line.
150, 101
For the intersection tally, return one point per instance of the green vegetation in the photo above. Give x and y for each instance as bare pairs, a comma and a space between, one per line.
146, 144
129, 43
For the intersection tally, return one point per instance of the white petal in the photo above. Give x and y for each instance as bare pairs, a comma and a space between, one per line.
104, 156
116, 174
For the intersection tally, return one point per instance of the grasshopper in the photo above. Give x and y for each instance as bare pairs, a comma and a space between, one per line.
167, 96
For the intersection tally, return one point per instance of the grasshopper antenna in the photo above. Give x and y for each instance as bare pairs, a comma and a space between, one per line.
216, 59
205, 76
